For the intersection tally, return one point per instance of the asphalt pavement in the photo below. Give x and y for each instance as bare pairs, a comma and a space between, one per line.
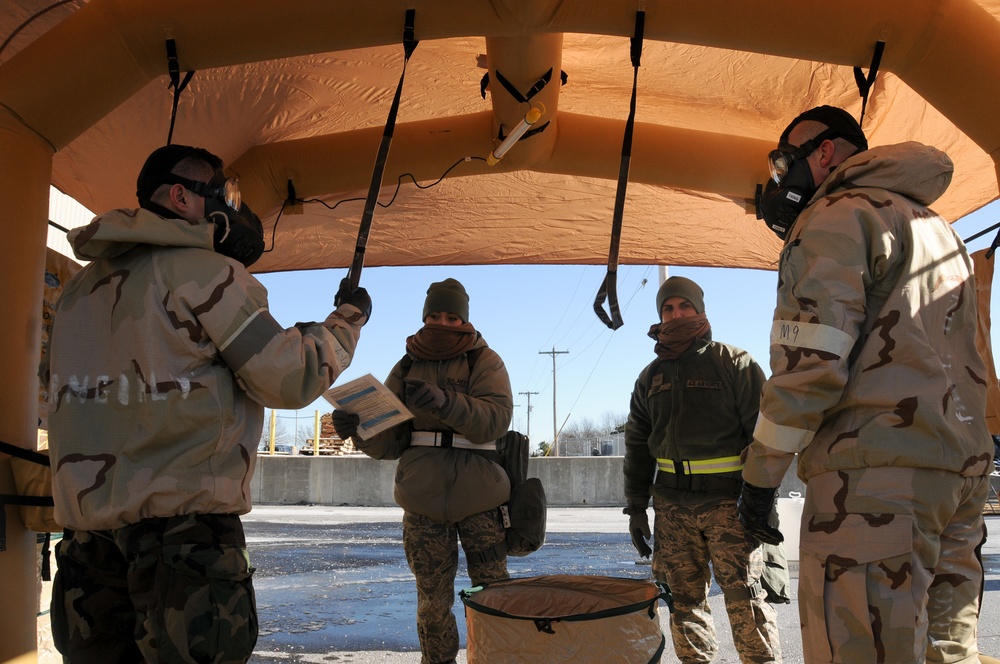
333, 584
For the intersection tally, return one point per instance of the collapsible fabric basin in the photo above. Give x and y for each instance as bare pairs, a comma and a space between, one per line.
564, 618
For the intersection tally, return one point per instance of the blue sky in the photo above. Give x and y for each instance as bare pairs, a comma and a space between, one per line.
524, 311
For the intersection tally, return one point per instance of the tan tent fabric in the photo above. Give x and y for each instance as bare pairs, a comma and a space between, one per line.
984, 288
300, 92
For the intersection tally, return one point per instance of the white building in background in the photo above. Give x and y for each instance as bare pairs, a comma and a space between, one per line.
605, 445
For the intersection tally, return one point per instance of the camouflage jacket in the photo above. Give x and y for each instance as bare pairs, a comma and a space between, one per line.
703, 405
873, 354
451, 484
161, 359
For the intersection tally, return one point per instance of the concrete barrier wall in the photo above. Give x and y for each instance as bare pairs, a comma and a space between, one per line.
568, 481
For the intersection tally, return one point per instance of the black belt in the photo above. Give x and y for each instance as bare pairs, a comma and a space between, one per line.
700, 483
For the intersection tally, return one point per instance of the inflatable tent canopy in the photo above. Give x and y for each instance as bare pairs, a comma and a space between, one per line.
294, 96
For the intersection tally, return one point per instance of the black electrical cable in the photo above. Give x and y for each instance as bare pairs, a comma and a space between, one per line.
399, 184
291, 200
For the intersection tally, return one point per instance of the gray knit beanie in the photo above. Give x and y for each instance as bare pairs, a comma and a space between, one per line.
680, 287
448, 295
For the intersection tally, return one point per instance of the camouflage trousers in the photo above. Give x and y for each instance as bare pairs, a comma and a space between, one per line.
891, 566
690, 543
164, 590
432, 552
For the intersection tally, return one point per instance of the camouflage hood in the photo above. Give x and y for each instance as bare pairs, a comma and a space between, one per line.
118, 231
161, 358
919, 172
873, 356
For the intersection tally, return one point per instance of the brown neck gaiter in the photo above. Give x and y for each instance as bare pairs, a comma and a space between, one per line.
441, 342
676, 335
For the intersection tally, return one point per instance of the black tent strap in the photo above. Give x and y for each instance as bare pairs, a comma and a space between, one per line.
8, 499
526, 97
409, 44
22, 453
30, 501
609, 287
981, 233
865, 84
173, 68
484, 84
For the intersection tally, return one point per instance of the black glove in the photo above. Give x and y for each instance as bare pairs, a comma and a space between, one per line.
357, 297
638, 528
754, 507
345, 424
423, 395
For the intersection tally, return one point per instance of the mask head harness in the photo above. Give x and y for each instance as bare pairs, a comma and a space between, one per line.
238, 231
791, 184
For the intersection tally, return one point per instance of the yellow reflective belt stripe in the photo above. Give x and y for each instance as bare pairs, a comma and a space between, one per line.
702, 466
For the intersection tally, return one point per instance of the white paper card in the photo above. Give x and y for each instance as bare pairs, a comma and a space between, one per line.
376, 405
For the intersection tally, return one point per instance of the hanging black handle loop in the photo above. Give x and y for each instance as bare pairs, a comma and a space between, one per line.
609, 287
865, 84
354, 273
174, 69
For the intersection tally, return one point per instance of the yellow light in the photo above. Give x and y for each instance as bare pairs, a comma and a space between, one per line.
530, 118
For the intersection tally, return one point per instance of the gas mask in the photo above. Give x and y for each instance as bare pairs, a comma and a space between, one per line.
781, 203
238, 231
790, 186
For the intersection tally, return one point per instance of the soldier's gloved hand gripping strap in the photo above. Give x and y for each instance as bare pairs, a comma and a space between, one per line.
609, 287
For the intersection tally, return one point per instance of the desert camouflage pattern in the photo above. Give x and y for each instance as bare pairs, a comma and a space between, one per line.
891, 567
166, 590
873, 348
432, 553
161, 359
692, 542
877, 384
702, 405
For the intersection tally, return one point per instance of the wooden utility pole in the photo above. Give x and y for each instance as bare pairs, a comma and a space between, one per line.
528, 432
555, 428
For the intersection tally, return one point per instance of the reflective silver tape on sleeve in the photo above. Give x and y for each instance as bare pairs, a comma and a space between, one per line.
781, 438
811, 335
249, 339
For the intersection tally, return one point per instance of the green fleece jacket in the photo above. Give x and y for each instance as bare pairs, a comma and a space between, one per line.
703, 405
